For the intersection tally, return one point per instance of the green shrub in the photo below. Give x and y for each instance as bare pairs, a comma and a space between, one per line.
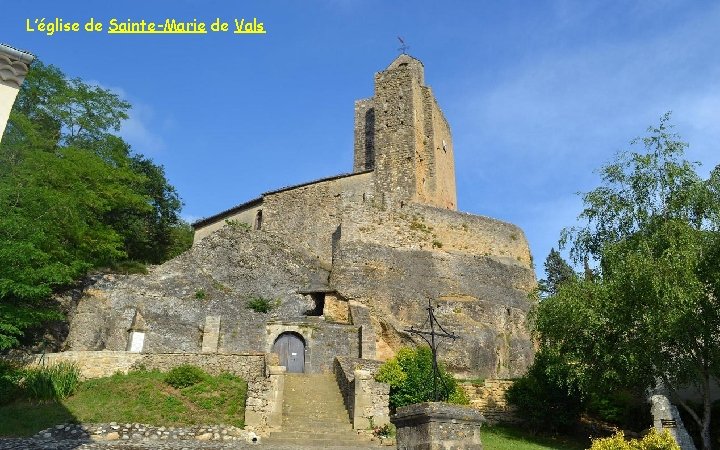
544, 402
53, 382
10, 376
200, 294
619, 406
410, 376
651, 441
129, 267
261, 305
184, 376
386, 431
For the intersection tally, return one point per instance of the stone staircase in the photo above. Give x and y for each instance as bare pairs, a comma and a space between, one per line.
314, 416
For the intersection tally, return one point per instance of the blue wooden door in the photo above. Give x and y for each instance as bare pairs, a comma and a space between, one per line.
292, 352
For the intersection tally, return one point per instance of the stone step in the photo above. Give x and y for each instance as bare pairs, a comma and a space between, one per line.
316, 444
311, 394
324, 418
313, 440
318, 434
314, 416
331, 423
291, 406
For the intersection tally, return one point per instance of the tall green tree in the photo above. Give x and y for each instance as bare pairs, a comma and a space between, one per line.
652, 312
72, 196
557, 272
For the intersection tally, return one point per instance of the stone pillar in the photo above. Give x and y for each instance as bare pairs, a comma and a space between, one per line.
263, 410
275, 396
370, 407
136, 334
667, 417
359, 315
14, 66
211, 334
437, 426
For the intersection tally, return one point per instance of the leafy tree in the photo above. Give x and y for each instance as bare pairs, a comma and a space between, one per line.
410, 376
651, 312
547, 397
73, 197
558, 271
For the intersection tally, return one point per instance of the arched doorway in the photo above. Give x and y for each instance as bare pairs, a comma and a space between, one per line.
291, 348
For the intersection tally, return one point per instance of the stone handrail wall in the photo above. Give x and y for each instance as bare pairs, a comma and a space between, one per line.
366, 400
489, 398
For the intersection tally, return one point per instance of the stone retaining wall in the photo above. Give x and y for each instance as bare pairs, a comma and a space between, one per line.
249, 366
489, 398
262, 396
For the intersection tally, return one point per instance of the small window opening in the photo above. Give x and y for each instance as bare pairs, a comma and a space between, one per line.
258, 219
319, 300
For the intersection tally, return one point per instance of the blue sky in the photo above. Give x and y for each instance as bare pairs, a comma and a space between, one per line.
539, 94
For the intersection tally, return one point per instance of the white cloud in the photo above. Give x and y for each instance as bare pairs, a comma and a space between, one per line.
140, 130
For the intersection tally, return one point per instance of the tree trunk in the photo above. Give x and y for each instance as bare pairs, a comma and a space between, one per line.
707, 408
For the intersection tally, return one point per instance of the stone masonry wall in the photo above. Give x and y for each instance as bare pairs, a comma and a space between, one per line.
435, 176
411, 139
308, 216
489, 398
425, 227
396, 110
242, 216
323, 341
364, 148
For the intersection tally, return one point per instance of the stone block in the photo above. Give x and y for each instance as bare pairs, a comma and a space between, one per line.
437, 426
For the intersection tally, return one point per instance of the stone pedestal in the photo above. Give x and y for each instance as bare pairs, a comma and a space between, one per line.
437, 426
275, 396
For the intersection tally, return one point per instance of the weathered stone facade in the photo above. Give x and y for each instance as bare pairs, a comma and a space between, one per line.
347, 262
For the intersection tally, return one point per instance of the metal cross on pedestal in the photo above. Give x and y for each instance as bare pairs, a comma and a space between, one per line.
431, 338
403, 47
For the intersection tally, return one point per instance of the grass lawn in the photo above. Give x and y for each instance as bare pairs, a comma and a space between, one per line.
507, 438
140, 397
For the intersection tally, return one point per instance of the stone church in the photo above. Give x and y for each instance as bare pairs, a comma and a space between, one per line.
340, 266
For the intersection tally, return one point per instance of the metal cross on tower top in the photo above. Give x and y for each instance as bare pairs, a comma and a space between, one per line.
431, 338
403, 46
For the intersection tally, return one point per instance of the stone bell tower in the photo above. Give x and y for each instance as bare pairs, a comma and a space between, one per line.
14, 66
402, 134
